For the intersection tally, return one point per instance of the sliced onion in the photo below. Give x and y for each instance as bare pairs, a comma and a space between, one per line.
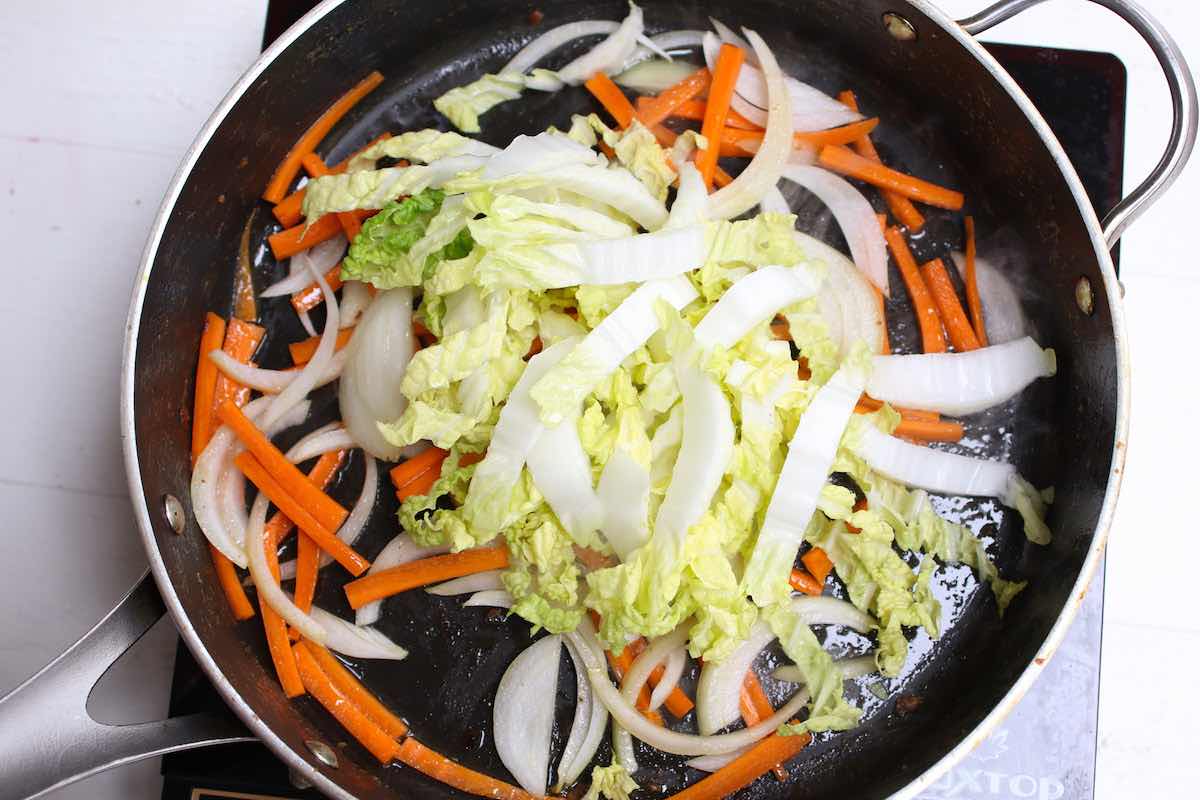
496, 598
714, 763
851, 668
854, 216
356, 296
751, 300
847, 301
960, 383
825, 610
272, 381
933, 470
1003, 319
377, 357
608, 56
587, 728
269, 591
488, 580
314, 370
663, 43
399, 550
353, 527
320, 257
651, 77
307, 323
354, 641
764, 170
623, 750
323, 440
720, 686
529, 55
637, 675
523, 713
674, 665
774, 202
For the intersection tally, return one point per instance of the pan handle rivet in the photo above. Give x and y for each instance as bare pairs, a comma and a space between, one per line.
1084, 298
323, 752
898, 27
173, 509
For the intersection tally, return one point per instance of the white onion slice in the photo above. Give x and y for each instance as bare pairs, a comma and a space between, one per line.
269, 591
764, 170
523, 713
651, 77
851, 668
751, 300
377, 357
633, 681
587, 729
488, 580
352, 528
400, 550
312, 373
933, 470
323, 440
529, 55
562, 472
854, 216
848, 303
663, 43
720, 686
1003, 319
272, 381
674, 665
825, 610
774, 202
307, 323
320, 258
960, 383
496, 598
354, 641
714, 763
608, 56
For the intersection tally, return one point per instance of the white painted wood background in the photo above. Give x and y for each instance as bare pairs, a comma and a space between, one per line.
100, 102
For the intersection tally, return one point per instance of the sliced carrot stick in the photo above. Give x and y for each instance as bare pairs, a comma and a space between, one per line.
742, 771
424, 572
278, 643
288, 210
311, 296
407, 471
318, 504
732, 138
929, 431
206, 383
817, 562
801, 581
419, 486
657, 109
289, 168
288, 242
759, 704
241, 340
280, 525
611, 97
725, 73
440, 768
900, 206
307, 553
303, 350
231, 585
867, 404
970, 279
694, 110
945, 298
315, 167
369, 734
847, 162
932, 338
358, 694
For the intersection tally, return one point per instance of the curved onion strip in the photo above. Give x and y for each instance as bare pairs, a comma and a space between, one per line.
355, 299
933, 470
1004, 319
354, 641
774, 202
488, 580
847, 300
764, 170
323, 440
269, 591
273, 381
315, 369
714, 763
377, 358
623, 752
960, 383
675, 663
400, 550
685, 744
307, 323
321, 258
231, 500
352, 528
854, 216
529, 55
587, 729
651, 77
495, 598
608, 56
720, 686
523, 713
751, 300
851, 668
825, 610
636, 677
663, 43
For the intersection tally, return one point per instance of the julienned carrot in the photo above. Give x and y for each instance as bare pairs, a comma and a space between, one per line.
867, 404
308, 555
440, 768
303, 350
231, 585
241, 340
319, 505
817, 562
278, 643
754, 702
725, 74
932, 338
743, 770
315, 167
253, 469
694, 110
732, 138
801, 581
929, 431
206, 383
280, 524
350, 686
289, 168
406, 471
973, 302
419, 486
370, 735
954, 318
900, 206
657, 109
311, 296
298, 238
611, 97
288, 209
847, 162
424, 572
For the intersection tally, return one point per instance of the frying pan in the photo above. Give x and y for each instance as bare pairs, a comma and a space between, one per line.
951, 114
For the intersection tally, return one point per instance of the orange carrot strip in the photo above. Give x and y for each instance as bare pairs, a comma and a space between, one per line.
408, 471
231, 585
677, 702
253, 469
954, 318
358, 694
319, 505
424, 572
657, 109
288, 210
278, 643
801, 581
929, 431
900, 206
315, 167
772, 751
932, 338
206, 383
867, 404
973, 302
754, 700
419, 486
817, 562
694, 110
440, 768
289, 242
241, 340
289, 168
732, 138
725, 73
307, 553
611, 97
302, 351
620, 664
280, 525
369, 734
311, 296
847, 162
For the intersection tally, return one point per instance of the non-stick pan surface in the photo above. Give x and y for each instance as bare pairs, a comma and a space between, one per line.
945, 117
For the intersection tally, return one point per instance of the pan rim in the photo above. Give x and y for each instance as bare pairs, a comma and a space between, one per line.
313, 771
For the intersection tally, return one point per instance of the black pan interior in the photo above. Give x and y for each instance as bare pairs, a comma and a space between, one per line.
943, 119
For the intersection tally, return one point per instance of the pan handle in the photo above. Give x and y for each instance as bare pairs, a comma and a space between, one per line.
1183, 102
47, 737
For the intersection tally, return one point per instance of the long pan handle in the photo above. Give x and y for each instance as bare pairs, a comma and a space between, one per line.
47, 737
1183, 102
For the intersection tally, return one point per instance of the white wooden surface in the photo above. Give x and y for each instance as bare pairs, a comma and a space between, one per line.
100, 105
